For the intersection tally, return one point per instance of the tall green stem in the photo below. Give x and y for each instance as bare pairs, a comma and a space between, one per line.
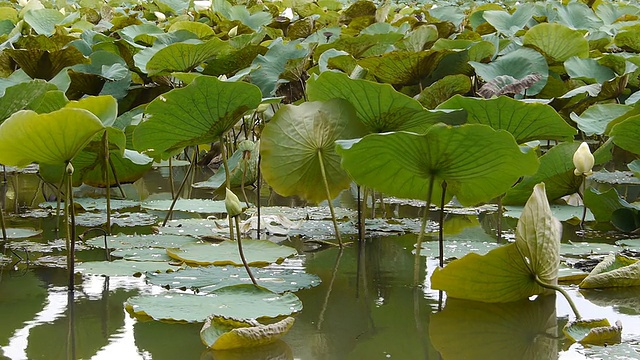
258, 200
71, 227
561, 291
440, 226
241, 252
4, 226
326, 188
227, 173
583, 186
171, 185
425, 218
184, 181
105, 144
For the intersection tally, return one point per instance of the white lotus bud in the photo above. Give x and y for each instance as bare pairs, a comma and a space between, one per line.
288, 13
232, 203
201, 5
22, 3
160, 16
583, 160
233, 32
69, 168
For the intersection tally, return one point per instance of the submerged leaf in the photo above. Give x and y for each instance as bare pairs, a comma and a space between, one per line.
221, 334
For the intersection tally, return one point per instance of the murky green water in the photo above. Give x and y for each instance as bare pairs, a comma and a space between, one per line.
365, 308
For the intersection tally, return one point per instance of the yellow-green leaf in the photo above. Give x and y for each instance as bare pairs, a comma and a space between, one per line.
614, 271
220, 333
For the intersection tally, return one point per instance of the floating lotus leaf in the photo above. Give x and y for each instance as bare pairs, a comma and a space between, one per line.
91, 204
403, 68
21, 233
525, 121
187, 205
443, 89
19, 96
143, 254
295, 139
379, 106
206, 279
560, 212
615, 177
257, 253
220, 333
240, 302
195, 227
593, 332
120, 219
632, 244
625, 300
470, 240
184, 56
477, 162
585, 249
123, 267
615, 270
595, 119
52, 138
509, 24
517, 330
508, 273
557, 42
627, 134
199, 113
123, 241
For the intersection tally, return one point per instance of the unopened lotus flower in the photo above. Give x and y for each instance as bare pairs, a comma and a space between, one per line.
233, 204
201, 5
160, 16
583, 160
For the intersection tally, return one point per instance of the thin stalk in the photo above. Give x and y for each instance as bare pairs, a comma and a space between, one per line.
184, 181
227, 173
241, 252
244, 174
71, 227
192, 179
440, 226
499, 225
326, 188
58, 197
173, 187
583, 185
105, 144
561, 291
326, 298
425, 218
360, 222
115, 177
4, 226
258, 201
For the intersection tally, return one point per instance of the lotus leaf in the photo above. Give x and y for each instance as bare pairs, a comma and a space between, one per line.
627, 134
45, 64
582, 249
143, 254
517, 330
43, 21
477, 162
195, 227
240, 302
626, 219
595, 119
628, 40
257, 252
615, 177
560, 212
578, 16
52, 138
615, 270
122, 241
199, 113
20, 96
120, 219
509, 24
200, 29
379, 106
91, 204
588, 69
184, 56
242, 171
525, 121
362, 45
594, 332
634, 166
297, 147
206, 279
123, 267
557, 42
272, 64
474, 240
508, 273
403, 68
21, 233
187, 205
603, 204
224, 334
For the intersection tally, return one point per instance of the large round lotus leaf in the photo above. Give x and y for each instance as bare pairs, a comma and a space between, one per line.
187, 205
200, 29
403, 68
183, 56
19, 233
195, 227
123, 267
627, 134
105, 107
257, 253
199, 113
122, 241
52, 138
144, 254
43, 21
215, 277
379, 106
91, 204
297, 137
220, 333
615, 270
518, 64
126, 219
443, 89
595, 119
525, 121
603, 204
239, 302
477, 162
588, 70
509, 24
557, 42
19, 96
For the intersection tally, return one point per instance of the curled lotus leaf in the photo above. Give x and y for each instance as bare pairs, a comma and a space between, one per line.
614, 271
594, 332
220, 333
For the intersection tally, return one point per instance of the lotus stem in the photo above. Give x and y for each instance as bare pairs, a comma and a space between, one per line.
583, 185
425, 218
244, 174
184, 181
499, 224
4, 226
227, 173
115, 177
561, 291
71, 227
360, 222
326, 188
105, 144
440, 226
173, 188
258, 201
241, 252
58, 198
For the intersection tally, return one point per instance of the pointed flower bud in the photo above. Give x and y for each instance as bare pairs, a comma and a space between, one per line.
160, 16
233, 204
583, 160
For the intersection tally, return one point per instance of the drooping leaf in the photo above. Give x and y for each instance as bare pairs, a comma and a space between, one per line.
20, 96
557, 42
615, 270
46, 64
525, 121
199, 113
257, 253
507, 273
477, 162
379, 106
595, 119
295, 139
627, 134
240, 302
225, 334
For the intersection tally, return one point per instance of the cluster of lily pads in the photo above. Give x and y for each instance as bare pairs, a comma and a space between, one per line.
480, 101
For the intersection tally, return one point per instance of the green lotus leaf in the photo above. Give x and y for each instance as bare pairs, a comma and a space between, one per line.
129, 167
593, 332
603, 204
627, 134
200, 29
241, 13
299, 140
615, 177
578, 16
240, 302
220, 333
443, 89
615, 270
98, 204
21, 96
477, 162
632, 244
195, 227
508, 273
48, 102
379, 106
273, 63
257, 253
525, 121
104, 107
626, 219
123, 267
142, 254
517, 330
206, 279
595, 119
21, 233
556, 42
145, 33
45, 64
230, 62
187, 205
44, 21
128, 219
52, 138
199, 113
160, 41
240, 170
628, 40
362, 45
518, 64
403, 68
560, 212
509, 24
585, 249
184, 56
634, 166
588, 69
418, 38
123, 241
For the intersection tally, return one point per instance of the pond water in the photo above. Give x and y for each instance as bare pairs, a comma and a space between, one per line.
365, 307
